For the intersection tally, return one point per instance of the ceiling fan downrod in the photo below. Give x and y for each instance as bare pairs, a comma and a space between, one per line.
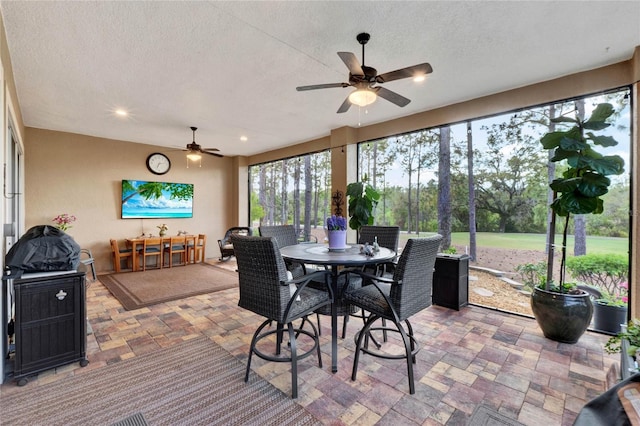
363, 38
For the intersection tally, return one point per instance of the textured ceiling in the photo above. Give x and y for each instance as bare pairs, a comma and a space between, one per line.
231, 68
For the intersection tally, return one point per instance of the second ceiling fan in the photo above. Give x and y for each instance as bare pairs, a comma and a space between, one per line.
365, 78
195, 149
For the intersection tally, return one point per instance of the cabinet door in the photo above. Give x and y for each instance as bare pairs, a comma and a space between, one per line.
50, 324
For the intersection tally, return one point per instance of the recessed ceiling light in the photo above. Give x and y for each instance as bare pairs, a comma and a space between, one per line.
121, 112
244, 138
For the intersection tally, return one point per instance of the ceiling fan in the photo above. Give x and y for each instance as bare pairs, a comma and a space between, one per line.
195, 150
364, 78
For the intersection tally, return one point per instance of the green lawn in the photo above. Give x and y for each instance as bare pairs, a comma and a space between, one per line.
530, 241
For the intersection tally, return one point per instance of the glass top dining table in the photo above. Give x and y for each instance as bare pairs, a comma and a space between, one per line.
319, 254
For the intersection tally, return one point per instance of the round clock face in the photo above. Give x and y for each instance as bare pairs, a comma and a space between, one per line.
158, 163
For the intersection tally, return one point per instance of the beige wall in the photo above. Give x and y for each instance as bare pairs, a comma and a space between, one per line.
81, 175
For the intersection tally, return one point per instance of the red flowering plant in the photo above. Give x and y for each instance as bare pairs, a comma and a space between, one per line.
63, 221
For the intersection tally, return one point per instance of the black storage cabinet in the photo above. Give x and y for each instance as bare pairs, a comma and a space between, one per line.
50, 322
451, 281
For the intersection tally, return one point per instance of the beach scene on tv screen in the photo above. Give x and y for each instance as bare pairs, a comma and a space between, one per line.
143, 199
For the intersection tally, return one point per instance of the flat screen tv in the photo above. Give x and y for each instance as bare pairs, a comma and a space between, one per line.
142, 199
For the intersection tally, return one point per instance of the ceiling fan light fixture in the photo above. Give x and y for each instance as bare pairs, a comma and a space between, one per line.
362, 97
419, 78
194, 156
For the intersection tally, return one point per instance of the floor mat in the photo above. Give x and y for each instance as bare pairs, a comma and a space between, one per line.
139, 289
192, 383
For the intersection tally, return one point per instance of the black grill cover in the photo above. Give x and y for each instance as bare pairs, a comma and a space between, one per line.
42, 248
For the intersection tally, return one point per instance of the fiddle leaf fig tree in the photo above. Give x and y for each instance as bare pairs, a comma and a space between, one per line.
585, 180
363, 198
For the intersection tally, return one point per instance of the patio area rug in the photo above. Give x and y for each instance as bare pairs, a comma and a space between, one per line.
138, 289
192, 383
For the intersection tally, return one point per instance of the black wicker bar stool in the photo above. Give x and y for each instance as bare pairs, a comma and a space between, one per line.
396, 299
266, 290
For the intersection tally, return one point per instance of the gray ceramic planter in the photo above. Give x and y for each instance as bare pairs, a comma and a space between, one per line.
562, 317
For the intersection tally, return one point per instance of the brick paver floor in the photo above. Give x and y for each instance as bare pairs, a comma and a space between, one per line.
469, 357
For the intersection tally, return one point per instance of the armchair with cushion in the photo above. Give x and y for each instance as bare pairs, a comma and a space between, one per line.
268, 290
225, 244
396, 299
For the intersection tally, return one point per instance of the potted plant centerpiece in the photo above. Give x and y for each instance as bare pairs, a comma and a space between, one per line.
337, 233
562, 310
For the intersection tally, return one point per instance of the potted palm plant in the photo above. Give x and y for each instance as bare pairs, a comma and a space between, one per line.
562, 310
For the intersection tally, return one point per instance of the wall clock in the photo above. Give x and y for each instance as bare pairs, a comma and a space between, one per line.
158, 163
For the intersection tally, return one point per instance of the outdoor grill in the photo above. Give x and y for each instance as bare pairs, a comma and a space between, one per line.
42, 248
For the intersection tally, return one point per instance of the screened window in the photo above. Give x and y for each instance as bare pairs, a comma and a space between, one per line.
295, 191
483, 185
